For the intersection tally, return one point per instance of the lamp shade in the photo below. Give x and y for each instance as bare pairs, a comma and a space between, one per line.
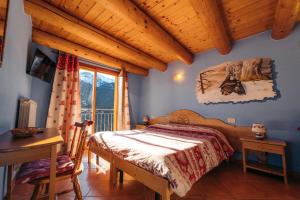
258, 128
146, 119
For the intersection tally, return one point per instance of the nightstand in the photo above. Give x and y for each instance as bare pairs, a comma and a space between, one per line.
140, 126
267, 146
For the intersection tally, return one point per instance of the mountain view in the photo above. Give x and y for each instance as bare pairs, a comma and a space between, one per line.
104, 90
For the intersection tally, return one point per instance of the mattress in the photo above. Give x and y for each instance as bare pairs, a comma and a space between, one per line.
180, 153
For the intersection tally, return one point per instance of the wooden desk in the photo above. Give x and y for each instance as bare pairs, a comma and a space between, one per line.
41, 145
269, 146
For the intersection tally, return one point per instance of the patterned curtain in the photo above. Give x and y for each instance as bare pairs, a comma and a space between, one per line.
64, 109
123, 110
126, 115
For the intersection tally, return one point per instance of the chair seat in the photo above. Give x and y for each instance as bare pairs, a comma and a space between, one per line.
31, 171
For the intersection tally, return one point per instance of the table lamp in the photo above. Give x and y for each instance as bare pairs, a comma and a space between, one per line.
259, 130
146, 120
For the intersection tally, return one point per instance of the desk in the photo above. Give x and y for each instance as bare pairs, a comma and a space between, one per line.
41, 145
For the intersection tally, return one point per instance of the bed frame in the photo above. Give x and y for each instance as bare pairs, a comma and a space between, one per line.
158, 184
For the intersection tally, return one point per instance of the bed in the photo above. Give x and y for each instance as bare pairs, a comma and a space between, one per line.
172, 153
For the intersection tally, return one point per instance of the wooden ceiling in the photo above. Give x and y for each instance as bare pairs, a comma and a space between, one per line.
3, 7
145, 34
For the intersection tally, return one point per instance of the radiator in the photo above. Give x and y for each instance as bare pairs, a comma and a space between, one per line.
27, 113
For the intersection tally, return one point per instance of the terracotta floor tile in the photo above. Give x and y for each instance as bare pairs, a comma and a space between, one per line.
226, 182
127, 197
67, 196
105, 189
243, 190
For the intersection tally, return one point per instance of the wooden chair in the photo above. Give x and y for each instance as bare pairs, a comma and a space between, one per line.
75, 153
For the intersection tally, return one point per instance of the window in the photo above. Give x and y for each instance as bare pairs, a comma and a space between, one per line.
97, 92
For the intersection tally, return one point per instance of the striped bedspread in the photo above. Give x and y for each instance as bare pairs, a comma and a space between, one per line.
180, 153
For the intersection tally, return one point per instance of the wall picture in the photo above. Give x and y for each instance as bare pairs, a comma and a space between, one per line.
236, 81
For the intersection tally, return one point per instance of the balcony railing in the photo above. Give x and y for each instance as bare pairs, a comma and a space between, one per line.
104, 118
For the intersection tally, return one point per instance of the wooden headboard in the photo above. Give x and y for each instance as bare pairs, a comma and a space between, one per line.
233, 133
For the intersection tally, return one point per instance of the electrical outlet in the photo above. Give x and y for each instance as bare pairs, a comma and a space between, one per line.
231, 120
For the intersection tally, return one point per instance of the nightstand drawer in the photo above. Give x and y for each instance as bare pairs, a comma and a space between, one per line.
263, 147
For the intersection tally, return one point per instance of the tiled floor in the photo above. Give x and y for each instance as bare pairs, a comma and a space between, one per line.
226, 182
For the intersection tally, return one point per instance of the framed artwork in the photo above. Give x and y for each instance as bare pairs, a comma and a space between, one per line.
236, 81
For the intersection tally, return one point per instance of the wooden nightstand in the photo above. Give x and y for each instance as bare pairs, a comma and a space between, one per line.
269, 146
140, 126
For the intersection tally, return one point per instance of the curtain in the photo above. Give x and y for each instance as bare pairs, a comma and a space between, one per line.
64, 108
123, 102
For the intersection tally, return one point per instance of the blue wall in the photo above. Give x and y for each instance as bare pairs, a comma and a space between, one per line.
158, 94
14, 82
134, 88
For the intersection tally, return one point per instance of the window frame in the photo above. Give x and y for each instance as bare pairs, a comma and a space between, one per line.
95, 70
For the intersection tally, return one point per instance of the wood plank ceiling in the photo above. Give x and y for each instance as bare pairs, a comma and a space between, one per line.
3, 8
180, 21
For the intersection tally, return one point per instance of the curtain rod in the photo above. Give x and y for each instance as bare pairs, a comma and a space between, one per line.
103, 66
88, 62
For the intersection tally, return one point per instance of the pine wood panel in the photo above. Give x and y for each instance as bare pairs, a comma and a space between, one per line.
55, 42
285, 18
3, 8
298, 18
104, 20
242, 18
147, 28
179, 18
209, 13
95, 39
2, 13
248, 17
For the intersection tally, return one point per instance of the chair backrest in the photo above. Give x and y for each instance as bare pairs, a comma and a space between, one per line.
78, 142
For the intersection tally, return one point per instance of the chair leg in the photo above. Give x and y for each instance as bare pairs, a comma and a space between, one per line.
89, 157
9, 182
77, 188
97, 160
121, 177
47, 188
36, 192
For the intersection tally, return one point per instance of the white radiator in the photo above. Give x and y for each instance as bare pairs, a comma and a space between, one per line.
27, 113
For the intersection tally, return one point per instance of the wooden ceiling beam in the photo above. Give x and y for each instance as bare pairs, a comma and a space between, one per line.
45, 12
61, 44
285, 18
211, 18
129, 12
2, 24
